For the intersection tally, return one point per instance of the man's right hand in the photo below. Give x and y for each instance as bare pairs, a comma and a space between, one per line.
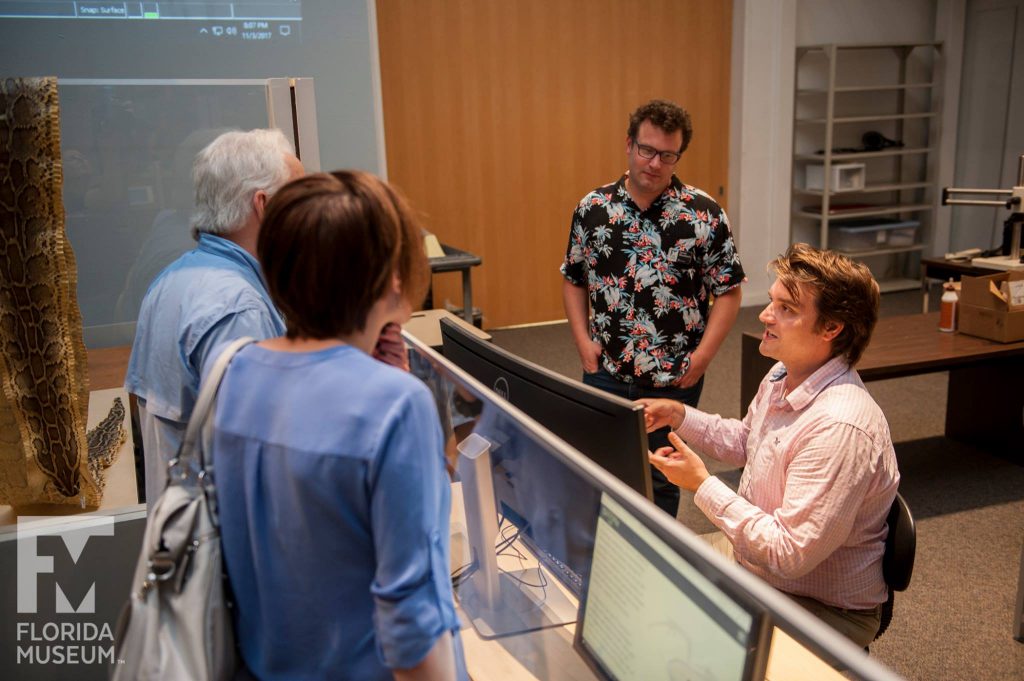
577, 305
679, 464
659, 413
590, 355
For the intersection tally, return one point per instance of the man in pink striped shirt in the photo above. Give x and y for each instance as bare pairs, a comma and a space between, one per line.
820, 473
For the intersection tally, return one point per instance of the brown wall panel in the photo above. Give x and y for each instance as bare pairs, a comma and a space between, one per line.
500, 116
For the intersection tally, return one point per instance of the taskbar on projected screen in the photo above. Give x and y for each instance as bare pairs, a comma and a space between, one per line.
206, 21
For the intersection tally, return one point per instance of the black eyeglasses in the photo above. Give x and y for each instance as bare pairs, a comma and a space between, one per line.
669, 158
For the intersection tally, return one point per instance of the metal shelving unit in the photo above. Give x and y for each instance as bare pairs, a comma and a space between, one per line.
871, 188
855, 89
879, 210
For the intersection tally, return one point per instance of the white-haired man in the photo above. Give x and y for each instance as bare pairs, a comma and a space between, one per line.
211, 294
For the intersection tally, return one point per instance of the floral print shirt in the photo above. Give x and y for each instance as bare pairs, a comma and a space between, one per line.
650, 274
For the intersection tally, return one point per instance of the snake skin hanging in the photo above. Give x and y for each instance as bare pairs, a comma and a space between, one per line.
105, 441
44, 391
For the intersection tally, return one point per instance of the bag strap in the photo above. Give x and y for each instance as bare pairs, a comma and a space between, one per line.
204, 404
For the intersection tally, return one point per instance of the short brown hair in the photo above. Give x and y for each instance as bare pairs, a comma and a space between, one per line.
845, 290
329, 245
665, 115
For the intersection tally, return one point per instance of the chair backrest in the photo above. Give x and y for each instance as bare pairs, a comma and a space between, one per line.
900, 546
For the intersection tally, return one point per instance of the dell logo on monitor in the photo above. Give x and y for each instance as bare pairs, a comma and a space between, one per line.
501, 387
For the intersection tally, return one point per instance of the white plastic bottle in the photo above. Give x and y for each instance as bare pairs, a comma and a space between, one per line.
948, 308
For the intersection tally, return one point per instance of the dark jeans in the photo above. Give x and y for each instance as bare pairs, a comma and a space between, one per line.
666, 495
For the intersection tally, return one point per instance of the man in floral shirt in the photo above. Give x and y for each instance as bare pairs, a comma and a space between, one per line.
647, 253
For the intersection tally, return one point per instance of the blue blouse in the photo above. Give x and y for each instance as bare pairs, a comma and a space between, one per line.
334, 505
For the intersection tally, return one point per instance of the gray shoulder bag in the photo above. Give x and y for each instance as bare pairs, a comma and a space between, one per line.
177, 623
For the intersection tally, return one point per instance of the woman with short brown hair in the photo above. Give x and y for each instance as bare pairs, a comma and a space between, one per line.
334, 500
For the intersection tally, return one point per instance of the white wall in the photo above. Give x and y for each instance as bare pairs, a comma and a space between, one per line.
760, 149
990, 134
765, 36
864, 21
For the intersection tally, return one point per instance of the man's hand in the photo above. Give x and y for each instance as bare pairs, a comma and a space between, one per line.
680, 465
721, 317
577, 311
659, 413
698, 365
590, 355
390, 347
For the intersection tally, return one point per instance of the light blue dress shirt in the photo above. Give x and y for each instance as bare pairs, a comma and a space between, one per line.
211, 294
334, 508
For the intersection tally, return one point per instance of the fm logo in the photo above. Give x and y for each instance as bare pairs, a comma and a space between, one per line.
31, 564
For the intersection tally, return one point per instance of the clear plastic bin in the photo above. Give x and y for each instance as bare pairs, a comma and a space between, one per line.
867, 233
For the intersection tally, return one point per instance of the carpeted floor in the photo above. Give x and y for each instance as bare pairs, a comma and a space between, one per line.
955, 620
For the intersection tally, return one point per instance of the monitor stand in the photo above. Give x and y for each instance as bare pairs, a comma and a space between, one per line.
1011, 261
500, 602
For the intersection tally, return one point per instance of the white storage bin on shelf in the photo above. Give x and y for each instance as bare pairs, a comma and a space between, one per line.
846, 177
864, 234
845, 98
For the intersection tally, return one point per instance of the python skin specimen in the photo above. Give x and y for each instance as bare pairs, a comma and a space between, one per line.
105, 442
43, 371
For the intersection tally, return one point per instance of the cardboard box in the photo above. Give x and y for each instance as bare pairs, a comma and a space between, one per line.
985, 314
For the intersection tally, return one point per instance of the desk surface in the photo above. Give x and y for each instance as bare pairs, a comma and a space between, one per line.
941, 268
425, 325
548, 654
913, 344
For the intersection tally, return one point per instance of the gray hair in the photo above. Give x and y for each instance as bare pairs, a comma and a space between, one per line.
230, 170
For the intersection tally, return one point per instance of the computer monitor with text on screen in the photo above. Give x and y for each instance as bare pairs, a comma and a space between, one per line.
648, 612
608, 429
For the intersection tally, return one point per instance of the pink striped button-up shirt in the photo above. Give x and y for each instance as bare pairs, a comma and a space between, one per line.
820, 475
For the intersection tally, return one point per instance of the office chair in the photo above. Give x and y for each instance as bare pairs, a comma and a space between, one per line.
898, 559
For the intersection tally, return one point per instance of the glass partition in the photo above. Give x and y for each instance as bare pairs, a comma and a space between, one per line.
128, 148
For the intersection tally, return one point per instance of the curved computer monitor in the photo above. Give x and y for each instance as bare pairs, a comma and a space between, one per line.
608, 429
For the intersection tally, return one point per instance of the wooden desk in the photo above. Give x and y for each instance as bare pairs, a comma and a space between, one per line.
985, 398
425, 326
